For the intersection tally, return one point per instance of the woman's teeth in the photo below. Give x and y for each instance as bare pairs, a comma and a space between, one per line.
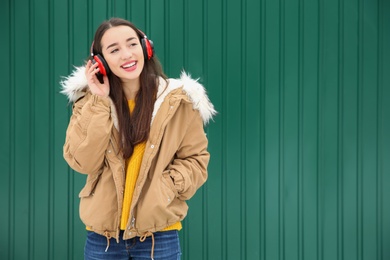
128, 65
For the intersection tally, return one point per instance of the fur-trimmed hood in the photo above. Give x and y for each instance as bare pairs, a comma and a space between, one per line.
75, 86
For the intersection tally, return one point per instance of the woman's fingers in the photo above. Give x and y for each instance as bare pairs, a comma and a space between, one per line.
94, 85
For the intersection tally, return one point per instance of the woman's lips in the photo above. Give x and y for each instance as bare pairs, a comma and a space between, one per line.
129, 66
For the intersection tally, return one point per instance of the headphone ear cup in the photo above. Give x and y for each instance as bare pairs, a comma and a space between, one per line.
147, 47
102, 64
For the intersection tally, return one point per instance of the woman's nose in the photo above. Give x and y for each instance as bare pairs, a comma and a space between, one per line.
126, 54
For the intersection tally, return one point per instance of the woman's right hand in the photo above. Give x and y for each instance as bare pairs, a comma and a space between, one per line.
95, 86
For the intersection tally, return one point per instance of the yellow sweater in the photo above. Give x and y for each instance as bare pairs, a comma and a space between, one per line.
133, 165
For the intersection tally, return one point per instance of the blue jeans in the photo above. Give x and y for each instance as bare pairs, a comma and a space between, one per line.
166, 246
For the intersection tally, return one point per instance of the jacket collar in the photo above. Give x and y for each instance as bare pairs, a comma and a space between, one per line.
75, 86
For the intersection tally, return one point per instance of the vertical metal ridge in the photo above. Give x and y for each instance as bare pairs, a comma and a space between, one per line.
71, 188
317, 132
205, 238
107, 8
31, 175
11, 226
301, 15
379, 141
224, 134
359, 153
71, 37
127, 15
262, 156
148, 16
9, 149
51, 60
166, 36
243, 176
340, 130
113, 9
205, 50
185, 34
281, 159
320, 59
206, 227
90, 30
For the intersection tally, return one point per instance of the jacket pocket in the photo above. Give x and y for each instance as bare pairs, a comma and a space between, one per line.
90, 185
168, 187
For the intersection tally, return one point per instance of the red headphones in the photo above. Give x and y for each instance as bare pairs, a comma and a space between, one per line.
147, 48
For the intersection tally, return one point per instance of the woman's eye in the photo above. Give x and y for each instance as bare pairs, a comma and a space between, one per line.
114, 50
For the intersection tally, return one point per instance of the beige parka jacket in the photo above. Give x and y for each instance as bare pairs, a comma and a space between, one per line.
174, 164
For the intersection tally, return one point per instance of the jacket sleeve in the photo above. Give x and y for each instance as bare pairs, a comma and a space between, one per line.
189, 167
88, 134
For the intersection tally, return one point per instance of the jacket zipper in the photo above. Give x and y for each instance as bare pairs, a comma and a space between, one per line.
123, 172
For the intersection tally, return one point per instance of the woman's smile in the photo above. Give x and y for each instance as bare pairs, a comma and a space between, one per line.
130, 66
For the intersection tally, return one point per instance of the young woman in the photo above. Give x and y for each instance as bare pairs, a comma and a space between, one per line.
139, 138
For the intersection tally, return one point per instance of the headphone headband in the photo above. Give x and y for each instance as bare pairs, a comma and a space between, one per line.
147, 45
91, 49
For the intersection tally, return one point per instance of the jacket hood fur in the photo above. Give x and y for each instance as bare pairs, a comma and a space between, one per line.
75, 86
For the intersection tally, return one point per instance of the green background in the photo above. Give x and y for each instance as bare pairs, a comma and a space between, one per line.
300, 149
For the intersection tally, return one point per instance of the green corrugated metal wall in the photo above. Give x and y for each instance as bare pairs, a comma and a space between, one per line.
300, 165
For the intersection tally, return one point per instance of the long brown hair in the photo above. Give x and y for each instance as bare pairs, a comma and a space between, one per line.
134, 128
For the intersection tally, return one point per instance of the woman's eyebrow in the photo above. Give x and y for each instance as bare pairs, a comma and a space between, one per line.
111, 45
115, 43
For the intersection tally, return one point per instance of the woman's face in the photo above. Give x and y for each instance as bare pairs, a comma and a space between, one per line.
123, 53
